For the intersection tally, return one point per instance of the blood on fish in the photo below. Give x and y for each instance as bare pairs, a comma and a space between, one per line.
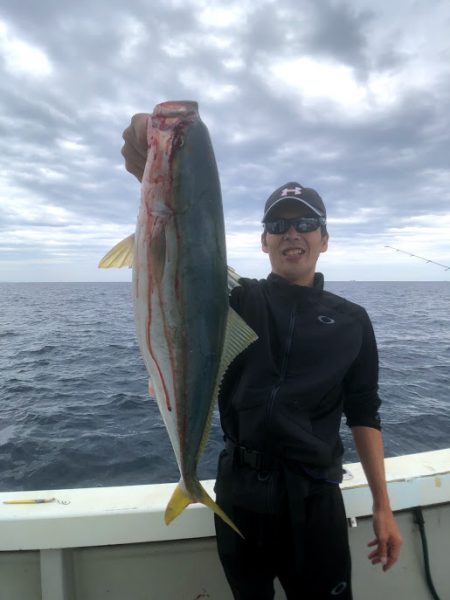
152, 354
167, 337
161, 376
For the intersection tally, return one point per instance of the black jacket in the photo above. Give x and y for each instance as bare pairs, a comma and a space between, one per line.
283, 398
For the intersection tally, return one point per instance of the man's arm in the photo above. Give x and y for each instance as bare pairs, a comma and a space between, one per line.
369, 444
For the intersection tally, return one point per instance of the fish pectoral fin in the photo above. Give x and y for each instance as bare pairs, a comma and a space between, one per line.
121, 255
158, 248
181, 499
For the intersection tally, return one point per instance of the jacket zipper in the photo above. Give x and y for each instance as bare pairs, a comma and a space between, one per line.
274, 392
283, 369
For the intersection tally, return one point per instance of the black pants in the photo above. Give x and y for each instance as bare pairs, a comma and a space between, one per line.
307, 551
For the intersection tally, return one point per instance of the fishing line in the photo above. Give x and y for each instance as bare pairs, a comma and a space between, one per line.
428, 260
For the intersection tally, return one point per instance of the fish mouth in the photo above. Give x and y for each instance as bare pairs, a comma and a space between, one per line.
176, 108
293, 252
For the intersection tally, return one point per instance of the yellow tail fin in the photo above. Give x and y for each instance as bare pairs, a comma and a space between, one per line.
180, 499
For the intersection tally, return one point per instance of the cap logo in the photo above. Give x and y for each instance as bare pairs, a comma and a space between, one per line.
296, 190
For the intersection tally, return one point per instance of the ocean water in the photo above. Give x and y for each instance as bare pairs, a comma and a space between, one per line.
74, 405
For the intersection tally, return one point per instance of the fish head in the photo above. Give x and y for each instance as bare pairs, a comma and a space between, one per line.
175, 137
174, 110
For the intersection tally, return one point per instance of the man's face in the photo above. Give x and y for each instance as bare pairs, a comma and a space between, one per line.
294, 255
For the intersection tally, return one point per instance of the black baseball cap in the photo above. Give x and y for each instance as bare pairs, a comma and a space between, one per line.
293, 192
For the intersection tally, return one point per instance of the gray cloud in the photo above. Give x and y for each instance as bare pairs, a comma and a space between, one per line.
382, 155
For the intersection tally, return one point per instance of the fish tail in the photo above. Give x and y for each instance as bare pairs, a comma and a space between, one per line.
209, 502
177, 503
181, 499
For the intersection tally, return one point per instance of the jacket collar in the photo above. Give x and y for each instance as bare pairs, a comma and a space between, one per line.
283, 285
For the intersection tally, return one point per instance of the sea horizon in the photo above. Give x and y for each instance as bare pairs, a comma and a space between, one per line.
327, 281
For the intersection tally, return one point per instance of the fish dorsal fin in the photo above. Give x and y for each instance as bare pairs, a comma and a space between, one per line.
121, 255
238, 337
233, 279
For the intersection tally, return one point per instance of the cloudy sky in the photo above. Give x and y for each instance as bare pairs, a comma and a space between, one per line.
345, 97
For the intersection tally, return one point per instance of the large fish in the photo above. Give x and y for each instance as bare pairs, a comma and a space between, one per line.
186, 331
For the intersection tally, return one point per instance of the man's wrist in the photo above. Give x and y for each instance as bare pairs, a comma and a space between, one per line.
382, 506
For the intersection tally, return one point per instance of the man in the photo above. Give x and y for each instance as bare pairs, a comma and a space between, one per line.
281, 404
281, 407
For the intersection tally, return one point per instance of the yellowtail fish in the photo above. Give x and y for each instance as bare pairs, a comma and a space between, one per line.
187, 333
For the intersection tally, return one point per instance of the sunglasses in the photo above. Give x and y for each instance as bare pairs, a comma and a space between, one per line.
300, 224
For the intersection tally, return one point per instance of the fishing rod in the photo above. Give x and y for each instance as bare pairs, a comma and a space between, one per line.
446, 267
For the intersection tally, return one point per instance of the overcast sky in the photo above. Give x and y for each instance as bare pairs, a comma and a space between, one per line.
351, 98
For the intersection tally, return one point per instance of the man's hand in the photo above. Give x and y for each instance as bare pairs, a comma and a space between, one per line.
135, 148
387, 541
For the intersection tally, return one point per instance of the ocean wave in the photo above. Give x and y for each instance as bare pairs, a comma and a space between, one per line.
75, 408
47, 348
7, 334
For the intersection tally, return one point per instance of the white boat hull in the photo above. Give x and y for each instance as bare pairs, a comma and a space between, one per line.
112, 543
